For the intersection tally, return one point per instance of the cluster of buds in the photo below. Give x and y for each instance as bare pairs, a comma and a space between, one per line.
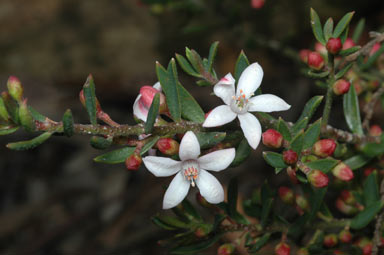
282, 248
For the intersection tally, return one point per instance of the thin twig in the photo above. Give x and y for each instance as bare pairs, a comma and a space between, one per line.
366, 49
369, 107
379, 223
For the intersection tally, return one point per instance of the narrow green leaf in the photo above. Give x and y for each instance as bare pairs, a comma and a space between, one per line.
358, 30
366, 216
148, 145
241, 63
3, 110
157, 221
343, 24
25, 117
232, 197
212, 55
316, 27
274, 159
68, 123
242, 153
265, 211
188, 207
299, 125
90, 99
116, 156
328, 29
374, 149
283, 128
203, 83
357, 161
209, 139
195, 59
259, 243
184, 64
36, 115
372, 59
344, 35
6, 130
190, 109
196, 247
343, 71
11, 106
352, 111
349, 51
314, 74
251, 209
312, 134
297, 142
278, 170
310, 107
371, 190
100, 143
324, 165
316, 201
30, 144
174, 222
153, 112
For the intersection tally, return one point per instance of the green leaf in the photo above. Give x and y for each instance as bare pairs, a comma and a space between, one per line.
188, 207
196, 247
184, 64
310, 107
297, 142
242, 153
30, 144
90, 99
190, 109
11, 107
232, 197
328, 29
316, 27
343, 71
153, 112
25, 117
283, 128
212, 55
296, 229
343, 24
36, 115
299, 125
357, 161
344, 35
209, 139
324, 165
203, 83
169, 84
6, 130
358, 30
265, 211
148, 145
259, 243
251, 209
100, 143
68, 123
157, 221
314, 74
195, 59
352, 111
116, 156
349, 51
312, 134
362, 219
241, 63
371, 190
274, 159
372, 59
316, 201
3, 110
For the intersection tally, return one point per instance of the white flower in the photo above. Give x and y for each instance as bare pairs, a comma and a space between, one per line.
241, 103
140, 106
191, 170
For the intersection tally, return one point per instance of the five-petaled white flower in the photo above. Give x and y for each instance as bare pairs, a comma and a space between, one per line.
191, 170
239, 104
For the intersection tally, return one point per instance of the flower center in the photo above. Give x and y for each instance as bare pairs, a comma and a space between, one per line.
239, 104
191, 171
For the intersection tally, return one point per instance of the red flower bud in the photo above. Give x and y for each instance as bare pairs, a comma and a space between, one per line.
303, 54
202, 231
318, 179
226, 249
168, 146
282, 249
334, 45
324, 148
290, 157
347, 197
349, 43
345, 236
375, 48
148, 93
15, 88
375, 130
315, 61
341, 87
342, 172
303, 251
365, 245
330, 240
257, 4
345, 208
368, 171
286, 195
292, 175
272, 138
133, 162
320, 48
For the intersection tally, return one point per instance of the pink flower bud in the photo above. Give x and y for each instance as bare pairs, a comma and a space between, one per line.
286, 195
341, 87
324, 148
202, 231
290, 157
147, 94
344, 208
347, 197
318, 179
345, 236
282, 249
303, 251
292, 175
342, 172
133, 162
375, 48
349, 43
272, 138
15, 88
375, 130
257, 4
330, 240
334, 45
303, 54
168, 146
368, 171
315, 61
226, 249
320, 48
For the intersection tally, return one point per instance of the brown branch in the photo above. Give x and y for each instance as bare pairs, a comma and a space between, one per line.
369, 107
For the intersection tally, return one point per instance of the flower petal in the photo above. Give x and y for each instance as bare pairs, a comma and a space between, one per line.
219, 116
189, 147
267, 103
225, 88
217, 160
250, 80
251, 129
139, 110
176, 192
210, 188
157, 86
161, 166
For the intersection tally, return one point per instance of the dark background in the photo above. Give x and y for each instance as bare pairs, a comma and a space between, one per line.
55, 199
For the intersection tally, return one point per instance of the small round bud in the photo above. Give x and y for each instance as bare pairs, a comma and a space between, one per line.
272, 138
345, 208
345, 236
320, 48
365, 245
347, 197
202, 230
133, 162
303, 54
168, 146
303, 251
226, 249
375, 130
349, 43
342, 172
257, 4
302, 202
330, 240
318, 179
286, 195
315, 61
340, 87
290, 157
282, 249
324, 148
15, 88
334, 45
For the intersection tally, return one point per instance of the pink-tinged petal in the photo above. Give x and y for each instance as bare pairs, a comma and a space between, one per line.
250, 80
251, 129
225, 89
217, 160
219, 116
176, 192
139, 110
157, 86
161, 166
189, 147
267, 103
210, 188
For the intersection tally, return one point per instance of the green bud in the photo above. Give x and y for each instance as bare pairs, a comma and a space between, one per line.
15, 88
